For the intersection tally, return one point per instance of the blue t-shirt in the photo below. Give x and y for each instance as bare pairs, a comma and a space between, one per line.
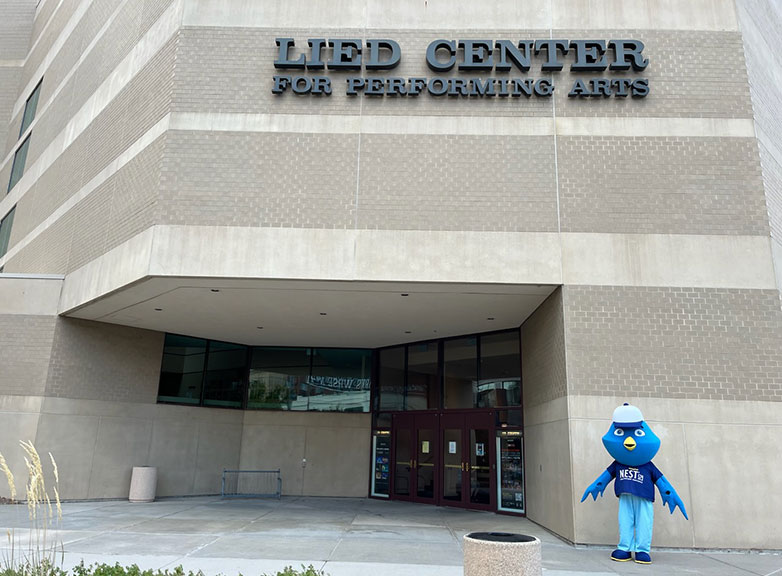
638, 480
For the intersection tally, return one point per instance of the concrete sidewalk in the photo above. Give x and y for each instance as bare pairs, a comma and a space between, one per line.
345, 537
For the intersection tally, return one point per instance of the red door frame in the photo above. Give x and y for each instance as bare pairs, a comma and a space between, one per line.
416, 423
438, 421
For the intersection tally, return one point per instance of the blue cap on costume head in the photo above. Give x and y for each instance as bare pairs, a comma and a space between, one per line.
629, 440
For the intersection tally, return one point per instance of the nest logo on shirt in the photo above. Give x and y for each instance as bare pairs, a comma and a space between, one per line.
631, 474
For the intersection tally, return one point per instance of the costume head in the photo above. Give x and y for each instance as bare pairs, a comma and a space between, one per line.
629, 440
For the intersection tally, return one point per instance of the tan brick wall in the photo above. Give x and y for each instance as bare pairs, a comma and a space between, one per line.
15, 28
691, 74
761, 24
674, 342
132, 113
115, 211
772, 179
48, 37
9, 82
16, 23
687, 74
425, 182
45, 11
661, 185
259, 179
96, 361
26, 343
544, 375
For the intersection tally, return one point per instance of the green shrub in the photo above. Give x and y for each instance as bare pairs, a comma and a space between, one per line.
305, 571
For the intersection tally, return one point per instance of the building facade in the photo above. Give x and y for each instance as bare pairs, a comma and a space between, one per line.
415, 250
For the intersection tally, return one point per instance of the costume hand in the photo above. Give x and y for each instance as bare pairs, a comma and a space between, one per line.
670, 497
598, 486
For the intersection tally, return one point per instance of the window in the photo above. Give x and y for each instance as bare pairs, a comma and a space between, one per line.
29, 108
340, 380
479, 371
460, 371
18, 167
5, 231
226, 365
392, 379
211, 373
182, 372
278, 378
423, 378
500, 370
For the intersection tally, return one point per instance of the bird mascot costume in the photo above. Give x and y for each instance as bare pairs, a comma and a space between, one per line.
632, 444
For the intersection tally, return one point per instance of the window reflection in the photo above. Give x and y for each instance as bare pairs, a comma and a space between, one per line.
500, 383
423, 384
340, 380
278, 378
182, 371
460, 371
225, 370
392, 379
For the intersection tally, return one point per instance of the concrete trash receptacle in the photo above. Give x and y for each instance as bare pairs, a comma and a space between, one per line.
143, 484
501, 554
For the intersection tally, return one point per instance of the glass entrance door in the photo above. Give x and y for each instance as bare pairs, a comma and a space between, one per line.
468, 463
402, 456
416, 450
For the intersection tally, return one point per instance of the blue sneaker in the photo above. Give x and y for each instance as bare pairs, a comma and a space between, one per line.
642, 558
621, 556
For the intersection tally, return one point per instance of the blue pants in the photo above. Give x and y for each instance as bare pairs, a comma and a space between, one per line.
636, 518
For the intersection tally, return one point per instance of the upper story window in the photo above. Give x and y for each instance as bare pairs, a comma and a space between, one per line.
5, 231
19, 160
29, 108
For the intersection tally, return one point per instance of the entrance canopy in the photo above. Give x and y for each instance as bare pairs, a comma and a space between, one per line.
314, 313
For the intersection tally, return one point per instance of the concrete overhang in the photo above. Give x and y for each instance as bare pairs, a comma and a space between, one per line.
341, 288
315, 313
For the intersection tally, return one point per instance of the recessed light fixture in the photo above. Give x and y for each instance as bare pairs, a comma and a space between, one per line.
404, 294
215, 290
259, 327
158, 309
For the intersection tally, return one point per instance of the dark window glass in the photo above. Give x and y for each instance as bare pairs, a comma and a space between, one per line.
382, 420
460, 372
29, 109
18, 167
278, 378
340, 380
5, 231
509, 418
423, 384
226, 367
182, 371
392, 379
500, 383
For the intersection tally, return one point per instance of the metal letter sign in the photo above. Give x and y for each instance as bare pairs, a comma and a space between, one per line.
338, 55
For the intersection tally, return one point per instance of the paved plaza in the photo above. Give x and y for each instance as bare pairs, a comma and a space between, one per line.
345, 537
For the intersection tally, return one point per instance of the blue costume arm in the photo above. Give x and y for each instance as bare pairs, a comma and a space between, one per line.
598, 486
669, 496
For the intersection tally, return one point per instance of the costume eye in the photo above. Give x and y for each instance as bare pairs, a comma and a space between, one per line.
619, 432
639, 432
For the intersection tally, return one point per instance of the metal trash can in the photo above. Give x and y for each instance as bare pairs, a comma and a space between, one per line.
143, 484
501, 554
